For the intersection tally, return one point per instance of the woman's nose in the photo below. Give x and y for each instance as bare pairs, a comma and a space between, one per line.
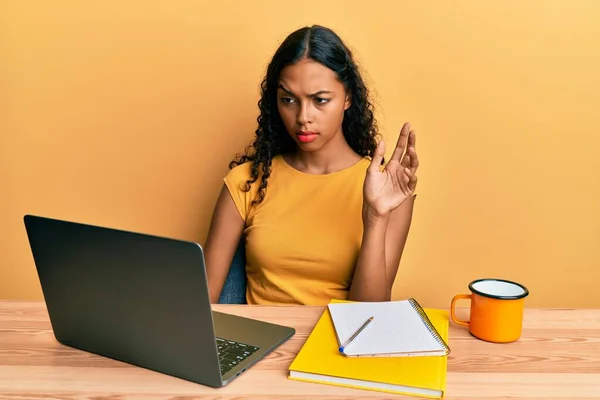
304, 114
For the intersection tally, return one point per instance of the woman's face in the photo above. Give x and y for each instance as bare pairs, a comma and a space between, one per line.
311, 102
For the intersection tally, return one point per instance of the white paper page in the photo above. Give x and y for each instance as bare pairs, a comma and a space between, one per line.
396, 328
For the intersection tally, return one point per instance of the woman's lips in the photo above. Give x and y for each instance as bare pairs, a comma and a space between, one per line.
307, 137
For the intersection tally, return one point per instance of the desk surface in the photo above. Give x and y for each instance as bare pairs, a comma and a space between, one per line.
558, 357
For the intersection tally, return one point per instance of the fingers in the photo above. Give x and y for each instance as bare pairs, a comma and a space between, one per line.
410, 159
406, 177
406, 160
413, 162
377, 157
401, 144
412, 180
408, 180
412, 139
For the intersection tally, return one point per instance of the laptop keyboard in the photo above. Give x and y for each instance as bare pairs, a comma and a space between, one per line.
231, 353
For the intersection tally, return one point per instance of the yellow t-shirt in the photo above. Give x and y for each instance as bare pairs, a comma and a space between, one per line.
302, 241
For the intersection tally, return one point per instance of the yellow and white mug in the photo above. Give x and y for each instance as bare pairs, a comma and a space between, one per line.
496, 312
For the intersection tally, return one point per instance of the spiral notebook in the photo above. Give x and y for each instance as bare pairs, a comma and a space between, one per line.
398, 328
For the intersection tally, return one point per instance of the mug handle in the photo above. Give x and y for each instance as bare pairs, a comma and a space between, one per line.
453, 315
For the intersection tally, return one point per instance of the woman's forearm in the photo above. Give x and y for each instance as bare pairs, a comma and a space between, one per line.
370, 278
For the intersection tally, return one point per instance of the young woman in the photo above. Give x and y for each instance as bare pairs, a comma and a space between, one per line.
321, 217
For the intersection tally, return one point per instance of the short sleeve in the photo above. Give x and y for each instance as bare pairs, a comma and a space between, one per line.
235, 180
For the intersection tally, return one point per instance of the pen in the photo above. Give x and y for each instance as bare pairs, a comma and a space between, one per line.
367, 322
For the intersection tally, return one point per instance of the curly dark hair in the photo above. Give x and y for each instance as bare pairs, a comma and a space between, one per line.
359, 126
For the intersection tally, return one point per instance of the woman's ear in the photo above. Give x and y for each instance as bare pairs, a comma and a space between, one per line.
348, 102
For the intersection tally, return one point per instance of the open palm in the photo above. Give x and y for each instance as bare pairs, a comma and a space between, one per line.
385, 190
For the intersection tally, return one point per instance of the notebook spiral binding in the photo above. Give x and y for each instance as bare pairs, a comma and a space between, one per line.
428, 324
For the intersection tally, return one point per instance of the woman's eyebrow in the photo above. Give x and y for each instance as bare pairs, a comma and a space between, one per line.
286, 90
320, 92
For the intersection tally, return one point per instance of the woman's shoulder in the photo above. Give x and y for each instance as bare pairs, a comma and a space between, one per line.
240, 171
237, 177
244, 169
239, 174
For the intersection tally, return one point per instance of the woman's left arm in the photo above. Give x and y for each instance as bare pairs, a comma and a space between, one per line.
387, 215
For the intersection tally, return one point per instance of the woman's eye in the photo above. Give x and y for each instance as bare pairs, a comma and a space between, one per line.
321, 100
288, 100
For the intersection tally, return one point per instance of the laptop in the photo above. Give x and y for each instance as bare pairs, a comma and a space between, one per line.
142, 300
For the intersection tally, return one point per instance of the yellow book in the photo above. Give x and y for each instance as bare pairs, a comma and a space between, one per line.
320, 361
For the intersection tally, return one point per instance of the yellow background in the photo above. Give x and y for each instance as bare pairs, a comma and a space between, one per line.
126, 113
